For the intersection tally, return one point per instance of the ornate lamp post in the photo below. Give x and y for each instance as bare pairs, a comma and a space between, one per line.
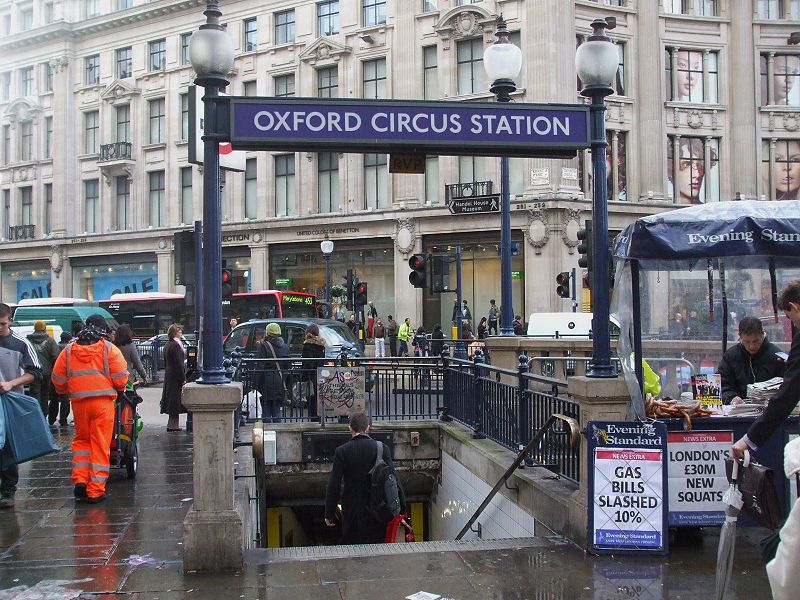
502, 62
327, 248
596, 61
211, 52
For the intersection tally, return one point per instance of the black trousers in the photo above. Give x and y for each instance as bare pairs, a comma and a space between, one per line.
393, 345
9, 477
493, 327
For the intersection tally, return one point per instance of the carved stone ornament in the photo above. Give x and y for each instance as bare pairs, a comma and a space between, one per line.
405, 237
119, 92
463, 22
694, 119
791, 122
21, 110
25, 173
324, 50
537, 231
59, 63
570, 224
56, 259
258, 237
163, 243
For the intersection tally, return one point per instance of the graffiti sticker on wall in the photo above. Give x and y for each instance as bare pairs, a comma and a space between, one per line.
341, 390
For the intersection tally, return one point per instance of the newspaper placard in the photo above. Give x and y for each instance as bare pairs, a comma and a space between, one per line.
340, 391
697, 480
707, 390
627, 484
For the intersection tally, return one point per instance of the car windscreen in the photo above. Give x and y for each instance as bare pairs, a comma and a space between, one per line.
334, 333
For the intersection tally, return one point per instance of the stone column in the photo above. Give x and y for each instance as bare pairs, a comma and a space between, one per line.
165, 264
213, 536
259, 267
599, 400
743, 110
651, 142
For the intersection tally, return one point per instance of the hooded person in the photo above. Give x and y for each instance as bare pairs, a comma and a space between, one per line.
271, 384
91, 372
47, 350
313, 348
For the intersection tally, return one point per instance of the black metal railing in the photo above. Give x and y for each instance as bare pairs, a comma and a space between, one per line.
116, 151
467, 190
151, 353
21, 232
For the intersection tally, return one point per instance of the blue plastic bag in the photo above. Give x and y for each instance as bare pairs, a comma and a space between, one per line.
26, 431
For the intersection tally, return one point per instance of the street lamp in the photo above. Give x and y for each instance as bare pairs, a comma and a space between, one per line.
596, 61
327, 247
502, 62
211, 53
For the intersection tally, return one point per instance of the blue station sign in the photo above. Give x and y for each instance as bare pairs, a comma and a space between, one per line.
457, 128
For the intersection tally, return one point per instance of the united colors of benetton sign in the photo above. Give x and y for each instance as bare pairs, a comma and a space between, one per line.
403, 126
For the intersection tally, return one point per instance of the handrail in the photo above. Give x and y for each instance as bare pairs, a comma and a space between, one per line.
574, 438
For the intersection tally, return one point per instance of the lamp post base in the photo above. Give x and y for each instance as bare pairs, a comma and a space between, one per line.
601, 371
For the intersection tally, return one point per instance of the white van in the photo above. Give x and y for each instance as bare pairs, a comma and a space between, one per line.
569, 325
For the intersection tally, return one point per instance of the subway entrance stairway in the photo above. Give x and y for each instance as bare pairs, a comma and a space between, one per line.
131, 547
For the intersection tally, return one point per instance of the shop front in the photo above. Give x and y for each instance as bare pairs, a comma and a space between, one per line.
97, 278
236, 260
26, 280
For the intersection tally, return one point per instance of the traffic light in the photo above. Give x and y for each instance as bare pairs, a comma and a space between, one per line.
360, 298
348, 284
419, 266
184, 257
227, 283
585, 246
562, 279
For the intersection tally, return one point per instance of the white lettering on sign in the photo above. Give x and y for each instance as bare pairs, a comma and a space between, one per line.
697, 479
628, 497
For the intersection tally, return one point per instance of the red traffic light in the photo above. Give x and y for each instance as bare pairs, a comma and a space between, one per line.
226, 276
417, 262
562, 278
361, 288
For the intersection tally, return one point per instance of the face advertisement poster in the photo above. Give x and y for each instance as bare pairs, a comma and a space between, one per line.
697, 478
627, 487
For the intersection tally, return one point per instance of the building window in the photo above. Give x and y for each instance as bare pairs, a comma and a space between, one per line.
471, 168
123, 203
376, 181
783, 70
6, 212
48, 208
250, 35
92, 8
47, 13
284, 27
157, 118
284, 86
471, 76
429, 5
374, 85
694, 177
91, 199
778, 9
430, 77
251, 188
374, 12
124, 123
250, 88
26, 81
48, 77
328, 18
185, 117
26, 19
616, 170
26, 205
91, 69
781, 171
619, 79
123, 4
158, 55
124, 62
432, 179
91, 132
187, 197
691, 75
6, 144
48, 137
466, 2
156, 200
284, 185
328, 181
26, 140
185, 37
328, 83
5, 86
699, 8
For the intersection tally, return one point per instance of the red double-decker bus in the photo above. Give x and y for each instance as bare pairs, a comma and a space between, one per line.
269, 304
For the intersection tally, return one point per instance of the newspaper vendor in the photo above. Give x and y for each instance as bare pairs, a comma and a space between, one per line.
753, 359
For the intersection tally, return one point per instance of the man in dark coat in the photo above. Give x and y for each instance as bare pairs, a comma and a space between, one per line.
47, 350
785, 399
271, 384
351, 465
391, 333
752, 359
313, 348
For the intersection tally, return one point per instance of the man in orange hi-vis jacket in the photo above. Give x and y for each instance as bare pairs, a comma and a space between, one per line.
91, 371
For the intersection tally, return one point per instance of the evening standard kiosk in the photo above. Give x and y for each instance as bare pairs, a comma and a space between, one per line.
734, 257
627, 487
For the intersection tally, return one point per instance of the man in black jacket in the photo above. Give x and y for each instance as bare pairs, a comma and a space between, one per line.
351, 464
782, 403
752, 359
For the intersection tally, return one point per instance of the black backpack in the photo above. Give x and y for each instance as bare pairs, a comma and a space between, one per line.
384, 489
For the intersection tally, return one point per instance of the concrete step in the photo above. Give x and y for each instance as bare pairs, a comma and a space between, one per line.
301, 553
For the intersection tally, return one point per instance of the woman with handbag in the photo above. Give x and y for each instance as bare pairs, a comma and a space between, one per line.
174, 378
271, 384
313, 348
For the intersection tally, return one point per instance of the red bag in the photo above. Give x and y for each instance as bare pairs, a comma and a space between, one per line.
399, 530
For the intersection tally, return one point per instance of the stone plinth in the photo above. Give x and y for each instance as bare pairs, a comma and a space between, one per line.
213, 538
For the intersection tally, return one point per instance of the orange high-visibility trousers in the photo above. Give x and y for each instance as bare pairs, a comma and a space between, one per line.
91, 448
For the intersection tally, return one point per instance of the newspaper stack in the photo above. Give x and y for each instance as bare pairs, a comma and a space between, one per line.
763, 391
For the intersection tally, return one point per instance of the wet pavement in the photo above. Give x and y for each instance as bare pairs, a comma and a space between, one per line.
130, 547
